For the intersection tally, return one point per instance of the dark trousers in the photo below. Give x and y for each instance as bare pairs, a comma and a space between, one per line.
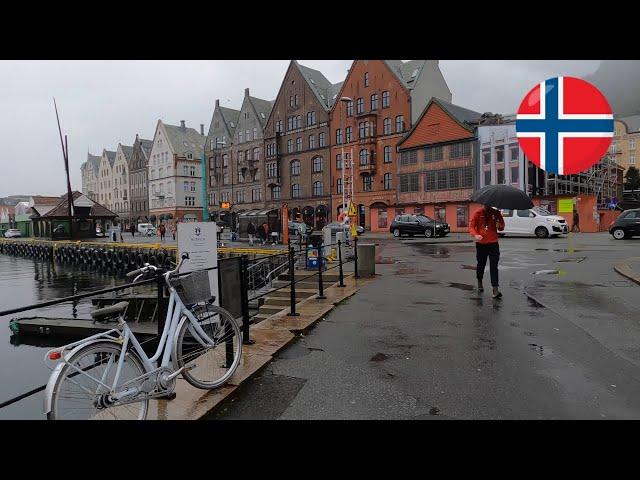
492, 251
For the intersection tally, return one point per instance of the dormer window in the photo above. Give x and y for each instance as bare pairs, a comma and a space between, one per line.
189, 156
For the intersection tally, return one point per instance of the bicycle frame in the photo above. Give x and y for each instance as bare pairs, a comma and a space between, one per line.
176, 309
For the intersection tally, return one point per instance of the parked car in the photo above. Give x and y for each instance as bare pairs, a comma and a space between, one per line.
626, 225
534, 221
417, 225
147, 229
12, 233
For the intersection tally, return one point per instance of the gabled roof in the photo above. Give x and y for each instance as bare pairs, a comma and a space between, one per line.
93, 161
334, 91
185, 140
111, 156
127, 152
230, 118
42, 200
632, 122
61, 209
320, 86
146, 146
467, 119
262, 108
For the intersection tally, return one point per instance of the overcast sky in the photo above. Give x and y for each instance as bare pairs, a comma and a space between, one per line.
102, 103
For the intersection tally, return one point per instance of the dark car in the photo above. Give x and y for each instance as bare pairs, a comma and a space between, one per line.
417, 225
626, 225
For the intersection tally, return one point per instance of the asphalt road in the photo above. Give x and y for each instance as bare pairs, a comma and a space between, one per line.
421, 343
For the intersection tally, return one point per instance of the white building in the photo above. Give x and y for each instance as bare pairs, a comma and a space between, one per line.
90, 171
501, 161
175, 176
105, 179
120, 178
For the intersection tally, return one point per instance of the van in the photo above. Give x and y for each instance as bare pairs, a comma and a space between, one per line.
146, 229
535, 221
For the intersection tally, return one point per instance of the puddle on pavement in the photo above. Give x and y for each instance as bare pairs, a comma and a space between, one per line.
411, 271
540, 350
428, 282
549, 272
427, 303
379, 357
534, 303
468, 267
462, 286
434, 251
563, 250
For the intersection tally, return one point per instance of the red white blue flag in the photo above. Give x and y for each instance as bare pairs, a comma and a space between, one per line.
564, 125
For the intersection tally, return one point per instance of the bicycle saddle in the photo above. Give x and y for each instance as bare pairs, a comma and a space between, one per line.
103, 314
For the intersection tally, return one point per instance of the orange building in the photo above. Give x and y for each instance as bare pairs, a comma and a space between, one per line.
437, 171
370, 114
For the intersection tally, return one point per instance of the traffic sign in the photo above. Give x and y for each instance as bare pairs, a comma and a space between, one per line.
352, 210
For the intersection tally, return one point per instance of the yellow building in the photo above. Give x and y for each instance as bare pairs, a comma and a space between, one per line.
625, 146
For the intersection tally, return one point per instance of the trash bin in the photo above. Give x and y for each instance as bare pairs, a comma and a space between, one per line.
366, 260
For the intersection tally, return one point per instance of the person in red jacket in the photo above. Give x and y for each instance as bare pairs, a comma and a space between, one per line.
484, 227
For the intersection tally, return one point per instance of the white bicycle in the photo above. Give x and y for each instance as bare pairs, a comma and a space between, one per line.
109, 375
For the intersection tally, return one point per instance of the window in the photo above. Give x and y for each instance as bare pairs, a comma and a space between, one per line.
388, 182
514, 153
271, 149
255, 133
454, 178
462, 215
500, 175
362, 131
467, 177
225, 161
367, 183
632, 144
515, 174
192, 171
374, 102
632, 159
291, 100
295, 167
193, 186
295, 98
275, 193
347, 134
279, 126
460, 150
312, 142
190, 201
240, 138
225, 178
339, 186
499, 155
289, 146
441, 179
387, 154
409, 158
364, 157
385, 99
317, 164
224, 197
399, 124
322, 140
386, 126
339, 161
487, 177
360, 105
247, 134
185, 186
289, 123
338, 136
256, 195
298, 122
239, 196
350, 109
311, 118
432, 154
272, 171
409, 183
366, 79
299, 144
295, 190
317, 189
185, 170
486, 157
256, 154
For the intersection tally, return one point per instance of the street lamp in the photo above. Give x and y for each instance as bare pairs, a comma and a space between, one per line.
344, 160
205, 210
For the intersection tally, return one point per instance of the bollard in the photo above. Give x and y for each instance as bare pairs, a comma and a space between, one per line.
355, 257
320, 285
292, 279
244, 282
340, 263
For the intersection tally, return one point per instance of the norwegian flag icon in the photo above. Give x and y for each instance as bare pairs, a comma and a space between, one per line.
564, 125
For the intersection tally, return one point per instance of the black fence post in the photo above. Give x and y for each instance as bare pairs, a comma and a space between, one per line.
161, 311
355, 257
320, 285
292, 279
340, 263
244, 285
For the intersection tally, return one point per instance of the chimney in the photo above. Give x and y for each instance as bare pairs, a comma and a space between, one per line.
246, 92
217, 103
182, 125
202, 129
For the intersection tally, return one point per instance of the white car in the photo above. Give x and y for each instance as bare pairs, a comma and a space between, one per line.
535, 221
12, 232
146, 229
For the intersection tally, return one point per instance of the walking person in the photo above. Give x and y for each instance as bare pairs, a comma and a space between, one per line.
484, 227
163, 230
173, 231
251, 231
576, 221
133, 230
265, 226
261, 234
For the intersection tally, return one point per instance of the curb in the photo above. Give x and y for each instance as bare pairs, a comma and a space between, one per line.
626, 271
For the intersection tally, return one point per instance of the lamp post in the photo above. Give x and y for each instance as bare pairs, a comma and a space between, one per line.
205, 210
344, 138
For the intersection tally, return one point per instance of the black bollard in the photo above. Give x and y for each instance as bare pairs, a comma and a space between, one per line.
355, 257
292, 279
340, 263
320, 285
244, 285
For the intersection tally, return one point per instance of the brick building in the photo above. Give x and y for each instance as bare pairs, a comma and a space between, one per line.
437, 171
379, 101
297, 141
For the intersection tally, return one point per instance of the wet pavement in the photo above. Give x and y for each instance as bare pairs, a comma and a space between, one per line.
421, 343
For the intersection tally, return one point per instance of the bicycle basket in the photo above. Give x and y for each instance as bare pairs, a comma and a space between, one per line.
193, 288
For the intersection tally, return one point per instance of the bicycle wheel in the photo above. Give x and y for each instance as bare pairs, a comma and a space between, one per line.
208, 367
76, 396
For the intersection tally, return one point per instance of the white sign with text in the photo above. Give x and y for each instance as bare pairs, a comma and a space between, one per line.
199, 240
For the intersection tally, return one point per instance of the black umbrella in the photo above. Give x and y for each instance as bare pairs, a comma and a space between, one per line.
502, 196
